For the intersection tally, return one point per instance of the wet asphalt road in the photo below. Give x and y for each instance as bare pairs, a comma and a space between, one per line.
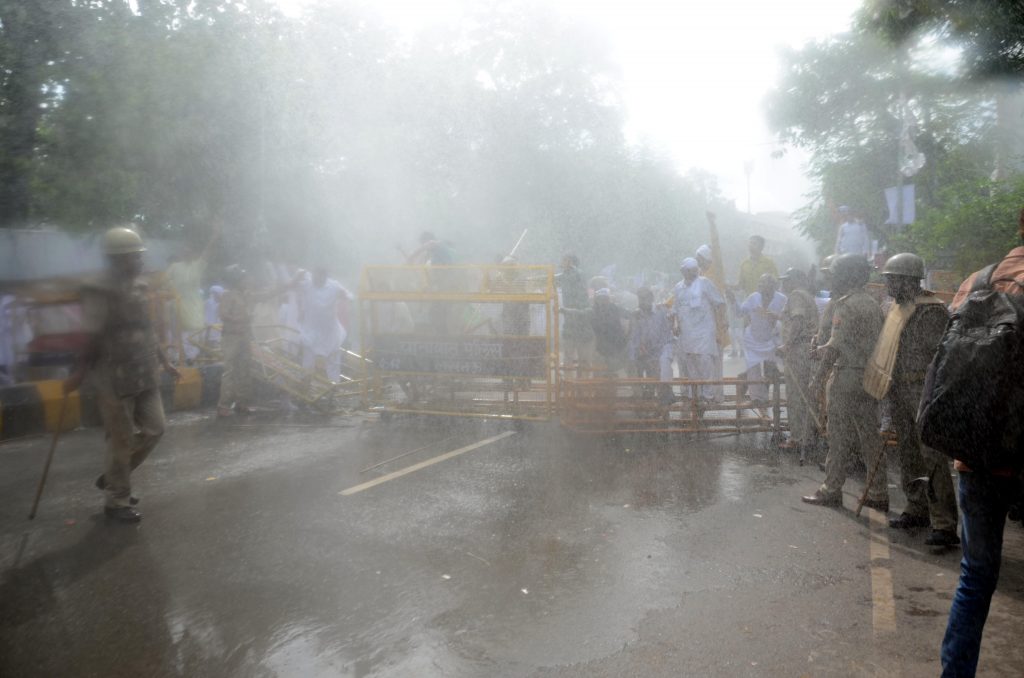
538, 554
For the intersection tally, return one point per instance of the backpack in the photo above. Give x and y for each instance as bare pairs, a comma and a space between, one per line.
972, 407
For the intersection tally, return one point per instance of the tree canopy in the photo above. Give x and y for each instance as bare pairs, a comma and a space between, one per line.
327, 135
912, 71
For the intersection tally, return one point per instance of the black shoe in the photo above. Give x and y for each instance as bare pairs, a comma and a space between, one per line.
122, 514
942, 538
907, 521
819, 498
877, 504
101, 484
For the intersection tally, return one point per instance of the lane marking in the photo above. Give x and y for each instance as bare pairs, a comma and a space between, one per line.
883, 603
423, 464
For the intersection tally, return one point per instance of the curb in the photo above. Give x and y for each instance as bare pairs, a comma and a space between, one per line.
34, 407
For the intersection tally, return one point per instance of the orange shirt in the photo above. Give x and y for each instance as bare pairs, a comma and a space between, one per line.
1012, 266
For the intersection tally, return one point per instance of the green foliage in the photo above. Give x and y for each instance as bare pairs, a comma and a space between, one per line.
842, 100
976, 225
990, 33
325, 139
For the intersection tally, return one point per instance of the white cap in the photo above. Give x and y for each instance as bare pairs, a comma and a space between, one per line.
689, 262
704, 252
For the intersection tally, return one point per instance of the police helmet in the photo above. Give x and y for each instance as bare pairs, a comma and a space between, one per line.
850, 271
122, 240
906, 264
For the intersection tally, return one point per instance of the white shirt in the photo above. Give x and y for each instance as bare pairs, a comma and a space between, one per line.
694, 306
762, 334
854, 238
322, 332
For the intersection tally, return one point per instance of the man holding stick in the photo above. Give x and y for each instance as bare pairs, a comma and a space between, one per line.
852, 413
121, 358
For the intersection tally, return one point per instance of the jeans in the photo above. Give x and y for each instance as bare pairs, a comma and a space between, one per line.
984, 501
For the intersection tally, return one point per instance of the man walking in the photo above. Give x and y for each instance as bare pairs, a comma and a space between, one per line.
912, 332
321, 332
121, 358
852, 413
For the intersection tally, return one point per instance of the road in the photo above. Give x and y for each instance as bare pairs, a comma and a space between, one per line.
267, 550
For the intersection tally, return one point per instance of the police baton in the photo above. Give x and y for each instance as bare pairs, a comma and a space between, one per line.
49, 457
870, 479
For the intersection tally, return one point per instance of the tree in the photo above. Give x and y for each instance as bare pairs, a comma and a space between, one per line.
845, 100
990, 34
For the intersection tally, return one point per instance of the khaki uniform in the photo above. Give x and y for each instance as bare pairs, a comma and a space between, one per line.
799, 318
236, 344
125, 378
917, 343
852, 412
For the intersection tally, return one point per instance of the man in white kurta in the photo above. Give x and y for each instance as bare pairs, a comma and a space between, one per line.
762, 311
853, 236
696, 300
322, 333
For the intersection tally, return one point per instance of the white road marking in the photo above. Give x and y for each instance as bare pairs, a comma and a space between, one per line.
423, 464
883, 604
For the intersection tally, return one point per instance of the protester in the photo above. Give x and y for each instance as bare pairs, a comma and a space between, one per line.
710, 270
185, 279
321, 332
121, 358
606, 320
577, 336
757, 265
695, 309
853, 236
650, 344
762, 311
985, 497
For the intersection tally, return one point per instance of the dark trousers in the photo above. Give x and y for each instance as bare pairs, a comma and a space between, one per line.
984, 502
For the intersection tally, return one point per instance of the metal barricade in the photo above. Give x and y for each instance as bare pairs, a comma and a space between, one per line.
610, 405
468, 341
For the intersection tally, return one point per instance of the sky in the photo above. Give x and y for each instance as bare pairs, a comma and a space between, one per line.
694, 75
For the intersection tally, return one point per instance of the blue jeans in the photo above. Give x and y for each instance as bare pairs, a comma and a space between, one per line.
984, 501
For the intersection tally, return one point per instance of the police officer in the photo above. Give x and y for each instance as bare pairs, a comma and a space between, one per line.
799, 320
121, 357
912, 332
852, 413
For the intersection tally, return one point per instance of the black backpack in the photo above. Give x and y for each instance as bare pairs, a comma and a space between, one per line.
972, 407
